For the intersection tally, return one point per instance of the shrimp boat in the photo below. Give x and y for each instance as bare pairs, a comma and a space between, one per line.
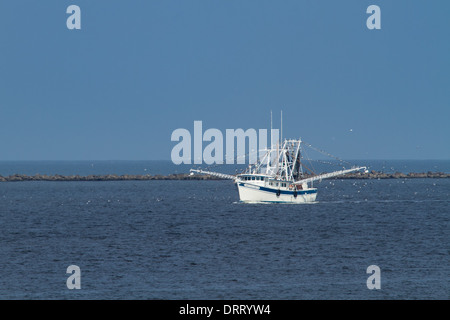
278, 176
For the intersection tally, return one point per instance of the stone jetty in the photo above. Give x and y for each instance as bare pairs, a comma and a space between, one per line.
186, 176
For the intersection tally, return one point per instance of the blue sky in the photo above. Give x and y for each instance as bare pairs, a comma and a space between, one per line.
137, 70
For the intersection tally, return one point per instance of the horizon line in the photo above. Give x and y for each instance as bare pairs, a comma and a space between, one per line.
168, 160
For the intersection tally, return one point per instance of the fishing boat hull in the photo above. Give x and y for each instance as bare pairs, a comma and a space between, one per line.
254, 193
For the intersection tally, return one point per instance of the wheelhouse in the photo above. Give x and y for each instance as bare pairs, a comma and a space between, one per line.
253, 177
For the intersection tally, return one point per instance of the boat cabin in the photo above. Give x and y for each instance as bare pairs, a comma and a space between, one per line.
269, 182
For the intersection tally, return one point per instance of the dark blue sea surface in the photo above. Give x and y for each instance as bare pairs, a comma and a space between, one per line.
194, 240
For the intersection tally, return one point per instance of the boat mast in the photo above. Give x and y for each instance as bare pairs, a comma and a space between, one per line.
269, 153
281, 133
282, 154
271, 142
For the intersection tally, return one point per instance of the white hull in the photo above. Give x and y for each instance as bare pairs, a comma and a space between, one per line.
254, 193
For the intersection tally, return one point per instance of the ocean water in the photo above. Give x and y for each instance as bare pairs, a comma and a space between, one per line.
194, 240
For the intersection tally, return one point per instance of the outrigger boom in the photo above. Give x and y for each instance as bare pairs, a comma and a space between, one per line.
311, 179
329, 175
216, 174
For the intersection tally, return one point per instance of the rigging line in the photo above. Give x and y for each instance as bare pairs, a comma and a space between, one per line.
326, 153
313, 173
310, 161
330, 163
235, 159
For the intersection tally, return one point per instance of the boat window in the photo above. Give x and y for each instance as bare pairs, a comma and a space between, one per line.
253, 178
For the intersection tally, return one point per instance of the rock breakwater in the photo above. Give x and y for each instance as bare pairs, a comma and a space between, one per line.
185, 176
